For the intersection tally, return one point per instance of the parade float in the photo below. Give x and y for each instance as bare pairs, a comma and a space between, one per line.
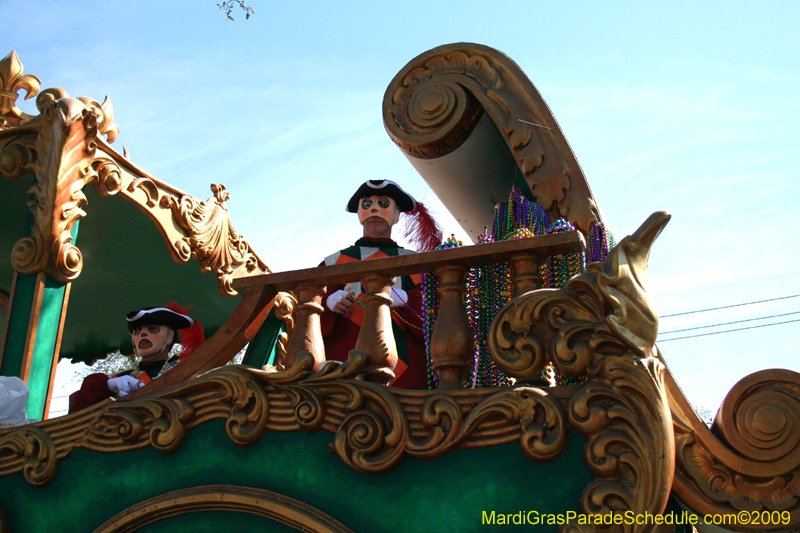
548, 398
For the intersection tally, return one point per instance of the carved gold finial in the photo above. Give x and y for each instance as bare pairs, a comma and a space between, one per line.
210, 236
12, 80
221, 194
622, 280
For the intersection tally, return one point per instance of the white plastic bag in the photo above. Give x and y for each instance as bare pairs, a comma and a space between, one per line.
13, 397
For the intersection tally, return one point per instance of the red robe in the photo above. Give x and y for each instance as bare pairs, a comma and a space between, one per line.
94, 388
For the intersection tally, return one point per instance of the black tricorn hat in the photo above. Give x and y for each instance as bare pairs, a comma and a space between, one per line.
405, 202
158, 316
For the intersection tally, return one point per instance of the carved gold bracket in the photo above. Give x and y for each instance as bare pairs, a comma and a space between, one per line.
191, 228
211, 238
433, 104
64, 147
602, 325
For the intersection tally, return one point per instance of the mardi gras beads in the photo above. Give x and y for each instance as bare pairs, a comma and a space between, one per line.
430, 305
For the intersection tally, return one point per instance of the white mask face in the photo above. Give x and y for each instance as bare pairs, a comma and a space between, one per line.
378, 214
150, 342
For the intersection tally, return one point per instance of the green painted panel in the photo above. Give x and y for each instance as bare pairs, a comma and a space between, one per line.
18, 325
45, 347
15, 222
449, 493
262, 348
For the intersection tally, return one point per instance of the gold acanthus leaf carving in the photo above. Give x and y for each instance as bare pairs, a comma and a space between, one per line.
12, 80
34, 449
624, 415
211, 238
66, 148
602, 325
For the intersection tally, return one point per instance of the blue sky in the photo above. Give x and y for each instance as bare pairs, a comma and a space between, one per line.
681, 106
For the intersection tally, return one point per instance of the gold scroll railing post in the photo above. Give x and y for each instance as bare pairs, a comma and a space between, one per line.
376, 338
528, 277
527, 273
451, 342
307, 334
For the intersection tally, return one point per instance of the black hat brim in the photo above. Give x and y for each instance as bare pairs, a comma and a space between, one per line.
158, 316
405, 202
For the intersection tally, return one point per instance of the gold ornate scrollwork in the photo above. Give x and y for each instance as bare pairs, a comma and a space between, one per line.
31, 450
109, 181
168, 430
247, 421
601, 325
66, 148
162, 422
760, 417
543, 427
150, 190
431, 105
49, 96
17, 156
284, 310
434, 103
754, 465
373, 436
629, 446
104, 115
13, 80
212, 239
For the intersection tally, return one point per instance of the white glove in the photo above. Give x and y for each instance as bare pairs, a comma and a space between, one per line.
336, 298
399, 298
122, 385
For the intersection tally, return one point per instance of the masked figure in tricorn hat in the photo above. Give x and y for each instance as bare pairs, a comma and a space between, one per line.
379, 204
154, 331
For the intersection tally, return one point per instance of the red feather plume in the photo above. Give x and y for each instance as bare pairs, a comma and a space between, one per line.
191, 338
422, 230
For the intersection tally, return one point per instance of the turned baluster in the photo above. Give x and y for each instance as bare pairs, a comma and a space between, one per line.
307, 334
528, 277
376, 338
452, 343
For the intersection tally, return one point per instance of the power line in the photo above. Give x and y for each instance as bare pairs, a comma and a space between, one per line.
729, 330
729, 306
729, 323
726, 285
